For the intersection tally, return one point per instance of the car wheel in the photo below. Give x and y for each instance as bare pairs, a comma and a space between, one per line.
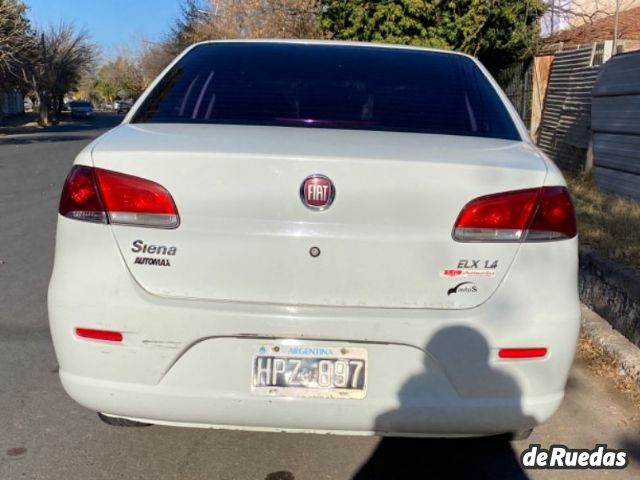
521, 434
121, 422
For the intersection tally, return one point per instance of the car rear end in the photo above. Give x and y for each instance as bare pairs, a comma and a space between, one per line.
123, 107
81, 109
317, 237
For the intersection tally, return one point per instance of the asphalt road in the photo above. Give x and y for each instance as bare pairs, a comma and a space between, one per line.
45, 435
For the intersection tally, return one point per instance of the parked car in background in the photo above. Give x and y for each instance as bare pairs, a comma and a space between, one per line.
81, 109
318, 237
123, 106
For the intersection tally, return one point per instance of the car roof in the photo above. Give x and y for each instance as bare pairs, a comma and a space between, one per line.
333, 43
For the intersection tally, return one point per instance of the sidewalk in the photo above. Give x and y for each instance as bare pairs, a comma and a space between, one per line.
24, 123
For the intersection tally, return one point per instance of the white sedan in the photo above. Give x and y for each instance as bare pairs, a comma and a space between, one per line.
317, 237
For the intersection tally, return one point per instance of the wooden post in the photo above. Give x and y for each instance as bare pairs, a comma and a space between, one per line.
541, 72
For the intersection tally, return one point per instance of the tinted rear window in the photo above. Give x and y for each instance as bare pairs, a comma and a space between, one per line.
327, 86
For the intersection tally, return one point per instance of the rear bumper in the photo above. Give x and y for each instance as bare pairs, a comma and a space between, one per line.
431, 372
439, 416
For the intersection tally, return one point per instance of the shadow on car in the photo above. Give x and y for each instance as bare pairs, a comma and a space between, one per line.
477, 457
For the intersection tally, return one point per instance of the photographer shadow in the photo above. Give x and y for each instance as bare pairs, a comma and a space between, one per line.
464, 351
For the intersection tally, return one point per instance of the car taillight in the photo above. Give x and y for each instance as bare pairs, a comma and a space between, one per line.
531, 215
103, 196
104, 335
80, 199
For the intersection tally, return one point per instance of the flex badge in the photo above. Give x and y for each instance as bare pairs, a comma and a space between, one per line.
472, 268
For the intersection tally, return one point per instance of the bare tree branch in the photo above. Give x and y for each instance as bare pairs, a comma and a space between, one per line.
16, 42
58, 61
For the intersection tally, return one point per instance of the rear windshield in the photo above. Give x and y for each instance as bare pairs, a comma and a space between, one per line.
329, 86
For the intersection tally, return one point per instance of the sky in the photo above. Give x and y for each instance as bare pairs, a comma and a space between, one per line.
112, 24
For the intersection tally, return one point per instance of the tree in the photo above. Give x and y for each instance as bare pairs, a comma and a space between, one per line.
105, 91
122, 76
153, 59
202, 20
186, 30
499, 33
56, 64
16, 42
48, 63
563, 14
221, 19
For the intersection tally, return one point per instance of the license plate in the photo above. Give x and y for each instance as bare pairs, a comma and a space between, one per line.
310, 371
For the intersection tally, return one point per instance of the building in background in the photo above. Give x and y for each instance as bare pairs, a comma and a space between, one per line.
602, 30
564, 72
588, 11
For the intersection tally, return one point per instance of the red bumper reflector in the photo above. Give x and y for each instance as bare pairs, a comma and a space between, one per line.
104, 335
522, 352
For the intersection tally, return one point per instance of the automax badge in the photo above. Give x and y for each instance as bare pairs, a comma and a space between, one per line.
317, 192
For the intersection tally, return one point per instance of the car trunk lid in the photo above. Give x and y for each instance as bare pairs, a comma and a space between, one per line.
246, 236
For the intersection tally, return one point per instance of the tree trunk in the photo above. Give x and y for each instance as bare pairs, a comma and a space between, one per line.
59, 105
43, 111
57, 102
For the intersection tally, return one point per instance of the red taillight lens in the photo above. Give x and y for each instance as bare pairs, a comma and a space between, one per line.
555, 217
131, 200
104, 335
522, 352
99, 195
535, 214
80, 199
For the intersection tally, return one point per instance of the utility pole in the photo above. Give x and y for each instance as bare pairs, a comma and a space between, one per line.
614, 45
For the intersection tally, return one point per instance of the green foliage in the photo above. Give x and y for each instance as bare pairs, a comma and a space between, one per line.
105, 90
498, 32
121, 77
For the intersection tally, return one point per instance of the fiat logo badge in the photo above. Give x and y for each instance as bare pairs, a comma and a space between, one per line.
317, 192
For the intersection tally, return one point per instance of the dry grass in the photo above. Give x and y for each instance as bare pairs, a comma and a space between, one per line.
607, 223
602, 365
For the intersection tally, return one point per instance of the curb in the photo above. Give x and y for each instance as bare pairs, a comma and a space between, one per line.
26, 129
612, 290
614, 344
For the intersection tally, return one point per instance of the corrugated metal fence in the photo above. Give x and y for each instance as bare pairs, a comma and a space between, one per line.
616, 125
565, 125
11, 103
517, 83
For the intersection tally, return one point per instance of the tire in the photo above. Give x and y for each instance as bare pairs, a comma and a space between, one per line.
521, 434
120, 422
